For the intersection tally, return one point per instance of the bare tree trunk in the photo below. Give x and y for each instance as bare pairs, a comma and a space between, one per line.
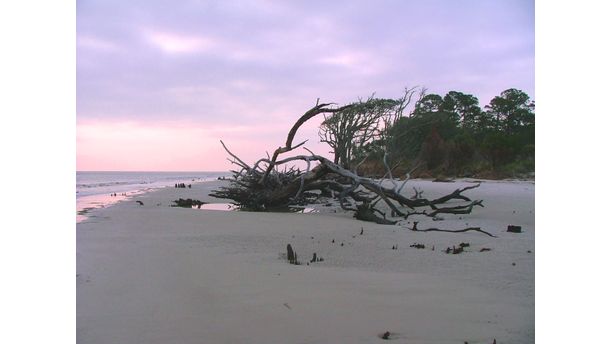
262, 187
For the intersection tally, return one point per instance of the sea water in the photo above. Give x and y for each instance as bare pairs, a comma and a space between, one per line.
97, 189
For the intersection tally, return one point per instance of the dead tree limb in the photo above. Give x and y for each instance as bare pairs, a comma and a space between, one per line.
460, 209
475, 229
318, 109
455, 195
237, 160
272, 184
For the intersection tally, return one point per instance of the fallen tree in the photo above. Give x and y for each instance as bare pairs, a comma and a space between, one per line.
271, 184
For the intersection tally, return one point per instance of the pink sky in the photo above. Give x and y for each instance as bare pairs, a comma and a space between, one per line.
113, 145
163, 81
163, 146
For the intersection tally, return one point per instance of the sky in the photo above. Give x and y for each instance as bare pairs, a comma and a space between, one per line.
159, 83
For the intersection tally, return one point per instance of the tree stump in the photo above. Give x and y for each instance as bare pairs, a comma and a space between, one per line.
514, 229
314, 258
290, 254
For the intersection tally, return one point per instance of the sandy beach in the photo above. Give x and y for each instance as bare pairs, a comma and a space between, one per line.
153, 273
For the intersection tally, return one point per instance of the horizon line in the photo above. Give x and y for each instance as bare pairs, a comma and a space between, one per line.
150, 171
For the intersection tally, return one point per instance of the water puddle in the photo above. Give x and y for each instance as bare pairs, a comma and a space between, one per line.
306, 210
232, 207
216, 206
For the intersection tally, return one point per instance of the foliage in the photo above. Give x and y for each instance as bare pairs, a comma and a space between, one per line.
362, 127
511, 111
454, 135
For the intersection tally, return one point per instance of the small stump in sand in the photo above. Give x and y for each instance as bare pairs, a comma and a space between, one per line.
316, 259
385, 335
292, 256
514, 229
454, 250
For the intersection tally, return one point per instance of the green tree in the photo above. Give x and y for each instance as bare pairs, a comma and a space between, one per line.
511, 111
454, 134
429, 116
428, 104
465, 108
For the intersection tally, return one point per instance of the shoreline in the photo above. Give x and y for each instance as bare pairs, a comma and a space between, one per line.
109, 195
155, 273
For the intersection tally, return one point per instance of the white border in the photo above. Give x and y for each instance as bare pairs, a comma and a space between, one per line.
37, 103
573, 132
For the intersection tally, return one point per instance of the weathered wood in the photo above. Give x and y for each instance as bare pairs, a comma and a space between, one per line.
475, 229
290, 254
318, 109
264, 188
514, 229
365, 213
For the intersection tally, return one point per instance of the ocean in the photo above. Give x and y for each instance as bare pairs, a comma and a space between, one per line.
94, 189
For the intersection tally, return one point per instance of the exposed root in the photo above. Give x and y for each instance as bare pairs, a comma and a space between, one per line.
271, 183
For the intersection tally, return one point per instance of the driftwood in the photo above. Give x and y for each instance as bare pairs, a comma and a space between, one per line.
475, 229
273, 184
454, 250
188, 203
514, 229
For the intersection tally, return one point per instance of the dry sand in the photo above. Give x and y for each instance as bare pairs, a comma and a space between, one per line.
160, 274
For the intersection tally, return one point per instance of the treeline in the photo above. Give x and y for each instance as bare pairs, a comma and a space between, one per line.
448, 135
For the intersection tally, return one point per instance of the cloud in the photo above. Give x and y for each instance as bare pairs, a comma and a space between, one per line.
179, 44
355, 62
96, 43
232, 64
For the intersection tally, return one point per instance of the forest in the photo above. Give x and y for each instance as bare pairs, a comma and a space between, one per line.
441, 136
